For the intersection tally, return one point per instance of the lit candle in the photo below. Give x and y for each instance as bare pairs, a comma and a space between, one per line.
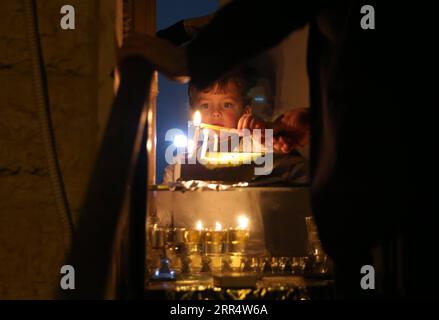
214, 240
190, 146
179, 235
194, 235
193, 238
243, 222
196, 123
158, 237
205, 141
215, 146
219, 128
237, 238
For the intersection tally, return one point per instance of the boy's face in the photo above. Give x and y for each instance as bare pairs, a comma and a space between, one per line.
220, 107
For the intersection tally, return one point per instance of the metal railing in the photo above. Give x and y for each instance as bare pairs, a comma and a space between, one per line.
108, 247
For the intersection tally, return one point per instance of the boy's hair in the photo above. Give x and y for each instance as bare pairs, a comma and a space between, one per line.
220, 86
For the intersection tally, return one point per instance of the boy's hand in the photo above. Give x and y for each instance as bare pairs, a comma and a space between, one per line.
293, 130
248, 121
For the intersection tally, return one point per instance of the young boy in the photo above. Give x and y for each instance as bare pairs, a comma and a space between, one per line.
225, 104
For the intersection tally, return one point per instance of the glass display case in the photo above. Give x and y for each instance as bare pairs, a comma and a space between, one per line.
206, 239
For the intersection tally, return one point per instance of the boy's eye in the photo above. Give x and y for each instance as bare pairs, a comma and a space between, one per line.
228, 105
204, 106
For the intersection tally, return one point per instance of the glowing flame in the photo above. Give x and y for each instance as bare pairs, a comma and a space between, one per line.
197, 118
243, 222
180, 141
199, 225
218, 226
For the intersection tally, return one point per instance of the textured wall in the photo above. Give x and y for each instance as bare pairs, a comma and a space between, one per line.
79, 64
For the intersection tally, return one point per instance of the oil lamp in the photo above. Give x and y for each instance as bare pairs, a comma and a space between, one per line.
196, 124
157, 237
214, 240
237, 238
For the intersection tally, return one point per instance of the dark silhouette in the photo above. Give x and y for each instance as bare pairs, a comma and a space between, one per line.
359, 146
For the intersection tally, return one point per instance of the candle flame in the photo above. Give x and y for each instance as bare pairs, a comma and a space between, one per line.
199, 225
225, 158
197, 118
243, 222
218, 226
